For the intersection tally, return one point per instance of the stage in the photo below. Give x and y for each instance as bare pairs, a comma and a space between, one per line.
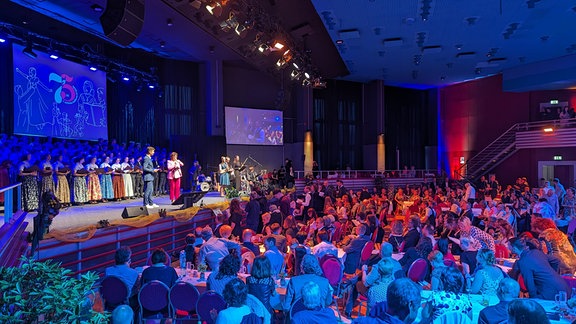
90, 214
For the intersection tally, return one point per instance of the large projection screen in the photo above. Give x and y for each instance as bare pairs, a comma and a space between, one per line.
58, 98
245, 126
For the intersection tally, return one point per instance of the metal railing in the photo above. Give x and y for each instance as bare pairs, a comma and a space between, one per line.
358, 174
11, 203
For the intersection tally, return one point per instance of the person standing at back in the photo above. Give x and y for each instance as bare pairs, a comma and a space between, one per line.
148, 174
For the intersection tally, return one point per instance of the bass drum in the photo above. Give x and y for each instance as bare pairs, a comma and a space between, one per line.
204, 186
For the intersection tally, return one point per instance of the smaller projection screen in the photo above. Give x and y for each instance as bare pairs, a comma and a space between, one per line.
58, 98
246, 126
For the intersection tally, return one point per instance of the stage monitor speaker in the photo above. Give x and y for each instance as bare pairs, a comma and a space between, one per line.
189, 198
130, 212
122, 20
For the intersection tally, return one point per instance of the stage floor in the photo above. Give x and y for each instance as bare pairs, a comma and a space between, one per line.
88, 214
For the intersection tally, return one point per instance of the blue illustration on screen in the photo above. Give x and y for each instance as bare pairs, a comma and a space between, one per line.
58, 98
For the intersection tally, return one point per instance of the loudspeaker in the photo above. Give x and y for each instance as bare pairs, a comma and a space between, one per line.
122, 20
130, 212
189, 198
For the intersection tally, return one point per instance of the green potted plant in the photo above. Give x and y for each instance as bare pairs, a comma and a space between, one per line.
44, 292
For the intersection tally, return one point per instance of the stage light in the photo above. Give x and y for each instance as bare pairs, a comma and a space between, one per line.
125, 78
169, 22
214, 8
195, 3
548, 129
29, 51
263, 47
306, 75
305, 82
97, 8
2, 39
151, 86
295, 65
241, 30
93, 68
278, 45
54, 56
294, 75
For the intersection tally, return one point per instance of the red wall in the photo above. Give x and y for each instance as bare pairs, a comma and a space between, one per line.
473, 114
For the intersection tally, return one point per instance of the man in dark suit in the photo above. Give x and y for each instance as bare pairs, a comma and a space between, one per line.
148, 174
340, 189
466, 210
507, 290
354, 249
541, 280
412, 237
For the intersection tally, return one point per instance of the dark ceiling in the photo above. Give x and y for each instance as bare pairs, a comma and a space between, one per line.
411, 43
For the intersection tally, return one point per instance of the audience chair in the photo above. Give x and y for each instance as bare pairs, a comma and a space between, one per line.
299, 253
366, 252
334, 272
297, 306
183, 298
153, 301
362, 302
523, 289
114, 292
208, 301
418, 271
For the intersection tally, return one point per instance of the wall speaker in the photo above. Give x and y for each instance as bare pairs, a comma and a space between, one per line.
130, 212
122, 20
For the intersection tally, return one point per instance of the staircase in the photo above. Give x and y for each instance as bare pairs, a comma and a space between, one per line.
519, 136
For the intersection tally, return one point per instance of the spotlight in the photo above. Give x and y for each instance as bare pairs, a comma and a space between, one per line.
263, 47
214, 8
162, 44
139, 88
93, 68
548, 129
295, 75
125, 78
278, 45
169, 22
306, 75
97, 8
2, 39
295, 65
241, 30
29, 51
54, 56
151, 86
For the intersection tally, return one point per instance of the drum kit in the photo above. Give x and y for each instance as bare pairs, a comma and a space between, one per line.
204, 183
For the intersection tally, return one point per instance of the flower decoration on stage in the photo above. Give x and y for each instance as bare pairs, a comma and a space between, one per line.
103, 223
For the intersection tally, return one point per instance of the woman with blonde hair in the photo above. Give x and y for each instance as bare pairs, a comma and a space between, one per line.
488, 276
556, 243
174, 175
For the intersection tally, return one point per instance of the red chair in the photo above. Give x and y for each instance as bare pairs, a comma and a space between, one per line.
366, 252
418, 271
153, 300
183, 298
502, 251
334, 272
523, 289
114, 292
208, 301
571, 281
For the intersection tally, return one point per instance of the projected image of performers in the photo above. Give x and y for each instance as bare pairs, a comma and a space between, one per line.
47, 101
254, 126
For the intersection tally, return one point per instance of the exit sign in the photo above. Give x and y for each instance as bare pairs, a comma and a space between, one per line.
553, 102
557, 157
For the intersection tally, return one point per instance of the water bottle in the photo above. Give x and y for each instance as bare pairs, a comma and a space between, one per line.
183, 260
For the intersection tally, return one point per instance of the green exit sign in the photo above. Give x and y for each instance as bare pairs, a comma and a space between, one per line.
553, 102
557, 157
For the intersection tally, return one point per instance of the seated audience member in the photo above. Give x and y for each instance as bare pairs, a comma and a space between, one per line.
354, 249
541, 280
377, 281
487, 276
386, 254
442, 246
556, 243
190, 248
324, 246
122, 314
412, 237
198, 233
276, 258
451, 298
235, 294
526, 311
421, 251
281, 241
228, 270
508, 290
260, 282
159, 270
122, 269
437, 261
466, 229
310, 271
315, 312
225, 231
215, 249
396, 237
468, 256
428, 231
402, 303
247, 242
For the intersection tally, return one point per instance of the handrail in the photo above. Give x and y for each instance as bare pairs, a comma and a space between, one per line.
9, 200
356, 174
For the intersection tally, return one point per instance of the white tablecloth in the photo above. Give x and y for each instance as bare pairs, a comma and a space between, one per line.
194, 279
477, 307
